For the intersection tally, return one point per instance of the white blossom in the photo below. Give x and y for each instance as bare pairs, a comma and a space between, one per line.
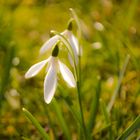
50, 83
71, 39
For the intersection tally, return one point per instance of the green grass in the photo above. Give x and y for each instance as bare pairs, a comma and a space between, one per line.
111, 106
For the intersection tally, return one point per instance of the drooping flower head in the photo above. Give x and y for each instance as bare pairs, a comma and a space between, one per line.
54, 67
70, 38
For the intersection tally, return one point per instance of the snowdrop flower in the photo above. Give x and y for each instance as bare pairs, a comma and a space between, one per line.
69, 36
54, 67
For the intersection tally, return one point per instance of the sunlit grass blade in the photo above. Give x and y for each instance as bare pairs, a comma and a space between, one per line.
61, 119
6, 71
107, 119
122, 72
94, 108
36, 124
134, 126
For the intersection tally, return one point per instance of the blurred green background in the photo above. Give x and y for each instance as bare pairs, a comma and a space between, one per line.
110, 31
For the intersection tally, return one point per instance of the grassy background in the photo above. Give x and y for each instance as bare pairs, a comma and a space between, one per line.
25, 26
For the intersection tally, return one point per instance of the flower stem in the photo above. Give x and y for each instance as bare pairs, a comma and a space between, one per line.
79, 98
80, 107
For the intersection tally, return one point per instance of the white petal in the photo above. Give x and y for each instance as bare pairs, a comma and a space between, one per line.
50, 84
35, 69
67, 74
74, 44
48, 44
71, 60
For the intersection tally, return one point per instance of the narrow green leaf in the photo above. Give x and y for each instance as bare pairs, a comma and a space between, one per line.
6, 71
50, 120
122, 72
134, 126
105, 113
71, 107
61, 119
35, 123
94, 107
81, 108
107, 119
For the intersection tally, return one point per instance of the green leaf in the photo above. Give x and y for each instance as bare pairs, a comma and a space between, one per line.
61, 119
35, 123
94, 108
6, 71
134, 126
122, 72
70, 105
107, 119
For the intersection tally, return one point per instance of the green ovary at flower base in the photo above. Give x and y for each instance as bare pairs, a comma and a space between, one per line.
54, 67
